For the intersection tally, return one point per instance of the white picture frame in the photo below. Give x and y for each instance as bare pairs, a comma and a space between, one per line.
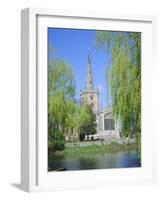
34, 176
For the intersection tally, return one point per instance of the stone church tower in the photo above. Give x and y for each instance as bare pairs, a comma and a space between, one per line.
90, 95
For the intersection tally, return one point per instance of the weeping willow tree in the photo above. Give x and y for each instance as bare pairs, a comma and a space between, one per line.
124, 78
61, 104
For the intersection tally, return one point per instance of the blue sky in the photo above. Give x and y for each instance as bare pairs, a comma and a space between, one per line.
72, 45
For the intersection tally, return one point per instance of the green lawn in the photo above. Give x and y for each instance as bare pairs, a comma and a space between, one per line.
96, 148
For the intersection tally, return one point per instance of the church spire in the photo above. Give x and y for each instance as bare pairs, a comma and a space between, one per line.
89, 81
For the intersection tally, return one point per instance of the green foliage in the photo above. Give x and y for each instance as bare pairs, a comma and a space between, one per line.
103, 39
58, 142
61, 105
61, 79
87, 122
124, 78
71, 121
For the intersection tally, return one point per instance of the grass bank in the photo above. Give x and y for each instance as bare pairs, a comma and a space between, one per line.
96, 148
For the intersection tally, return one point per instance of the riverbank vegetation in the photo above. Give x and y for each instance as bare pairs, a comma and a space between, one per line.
93, 149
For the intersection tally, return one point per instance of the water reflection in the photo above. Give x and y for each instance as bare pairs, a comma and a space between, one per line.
118, 159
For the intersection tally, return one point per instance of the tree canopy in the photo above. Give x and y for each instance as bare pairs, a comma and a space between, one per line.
87, 122
61, 105
124, 77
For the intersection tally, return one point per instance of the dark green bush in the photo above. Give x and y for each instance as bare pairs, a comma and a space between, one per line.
81, 136
57, 142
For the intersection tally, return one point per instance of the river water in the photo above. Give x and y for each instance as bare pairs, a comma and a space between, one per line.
111, 159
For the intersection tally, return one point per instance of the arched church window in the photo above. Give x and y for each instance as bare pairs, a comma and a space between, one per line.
109, 124
91, 97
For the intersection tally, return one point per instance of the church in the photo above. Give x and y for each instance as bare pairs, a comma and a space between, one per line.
107, 127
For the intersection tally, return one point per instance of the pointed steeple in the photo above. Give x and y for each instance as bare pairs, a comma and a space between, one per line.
89, 80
